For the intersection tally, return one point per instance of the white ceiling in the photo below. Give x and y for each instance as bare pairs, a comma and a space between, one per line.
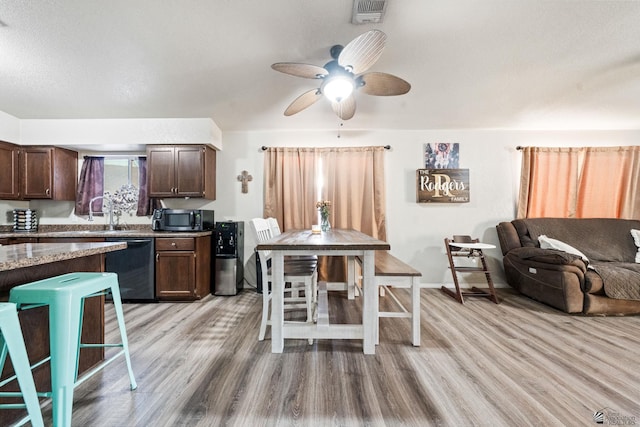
526, 64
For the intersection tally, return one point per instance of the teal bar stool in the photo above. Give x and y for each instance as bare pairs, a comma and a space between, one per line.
65, 296
12, 342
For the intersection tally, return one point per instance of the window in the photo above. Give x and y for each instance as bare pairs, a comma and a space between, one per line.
120, 178
120, 171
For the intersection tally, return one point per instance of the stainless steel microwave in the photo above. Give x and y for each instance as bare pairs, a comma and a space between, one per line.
182, 220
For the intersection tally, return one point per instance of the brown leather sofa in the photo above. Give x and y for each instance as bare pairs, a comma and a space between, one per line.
563, 280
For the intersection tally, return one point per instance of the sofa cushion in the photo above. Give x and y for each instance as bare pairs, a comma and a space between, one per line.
600, 239
621, 280
636, 240
549, 243
547, 256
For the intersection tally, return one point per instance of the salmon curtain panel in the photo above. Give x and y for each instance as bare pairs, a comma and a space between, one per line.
351, 178
354, 184
587, 182
290, 186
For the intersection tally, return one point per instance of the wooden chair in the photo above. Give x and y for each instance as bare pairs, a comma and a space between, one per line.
299, 277
462, 246
275, 231
274, 226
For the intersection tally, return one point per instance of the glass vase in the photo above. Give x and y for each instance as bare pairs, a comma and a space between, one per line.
324, 223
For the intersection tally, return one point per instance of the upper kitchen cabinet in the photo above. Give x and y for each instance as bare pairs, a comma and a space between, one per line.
9, 171
49, 173
181, 171
37, 172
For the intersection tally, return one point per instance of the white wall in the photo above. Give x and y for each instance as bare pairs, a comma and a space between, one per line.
112, 134
414, 231
9, 128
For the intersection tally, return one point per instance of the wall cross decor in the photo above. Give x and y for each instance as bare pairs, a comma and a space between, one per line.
244, 178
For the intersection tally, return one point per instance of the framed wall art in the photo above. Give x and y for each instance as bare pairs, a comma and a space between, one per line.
441, 155
442, 185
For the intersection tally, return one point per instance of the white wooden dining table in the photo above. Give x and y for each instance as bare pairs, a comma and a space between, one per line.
336, 242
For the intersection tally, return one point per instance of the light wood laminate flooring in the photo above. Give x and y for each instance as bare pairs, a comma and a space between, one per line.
518, 363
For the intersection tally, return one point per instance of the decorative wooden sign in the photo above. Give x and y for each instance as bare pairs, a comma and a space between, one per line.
442, 185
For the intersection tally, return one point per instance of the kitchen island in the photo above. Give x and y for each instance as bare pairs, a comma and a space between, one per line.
28, 262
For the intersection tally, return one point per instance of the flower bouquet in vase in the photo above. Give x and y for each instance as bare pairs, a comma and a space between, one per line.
323, 207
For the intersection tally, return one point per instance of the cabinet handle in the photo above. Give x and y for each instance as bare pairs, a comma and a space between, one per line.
173, 244
47, 191
157, 257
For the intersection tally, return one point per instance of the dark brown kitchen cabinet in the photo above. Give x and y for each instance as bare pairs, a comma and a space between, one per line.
37, 172
48, 173
181, 171
183, 267
9, 171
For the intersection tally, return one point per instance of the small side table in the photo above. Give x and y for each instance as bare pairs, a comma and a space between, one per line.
465, 246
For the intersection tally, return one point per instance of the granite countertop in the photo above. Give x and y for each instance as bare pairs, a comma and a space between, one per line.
58, 231
32, 254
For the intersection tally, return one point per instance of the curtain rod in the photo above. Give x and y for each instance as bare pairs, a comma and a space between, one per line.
117, 156
386, 147
519, 147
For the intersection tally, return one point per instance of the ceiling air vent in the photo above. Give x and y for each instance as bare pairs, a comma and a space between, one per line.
368, 11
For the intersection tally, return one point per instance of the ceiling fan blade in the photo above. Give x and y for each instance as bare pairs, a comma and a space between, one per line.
307, 71
305, 100
383, 84
363, 51
346, 108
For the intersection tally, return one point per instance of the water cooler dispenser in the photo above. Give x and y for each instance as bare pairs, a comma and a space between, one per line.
229, 261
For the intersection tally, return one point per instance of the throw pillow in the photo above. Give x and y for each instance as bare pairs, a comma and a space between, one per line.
636, 239
549, 243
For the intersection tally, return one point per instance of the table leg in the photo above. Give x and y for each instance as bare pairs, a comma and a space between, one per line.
370, 303
351, 277
415, 311
277, 305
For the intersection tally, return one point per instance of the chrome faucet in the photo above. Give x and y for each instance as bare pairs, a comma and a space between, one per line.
111, 224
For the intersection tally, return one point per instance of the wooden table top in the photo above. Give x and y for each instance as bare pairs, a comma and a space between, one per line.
335, 239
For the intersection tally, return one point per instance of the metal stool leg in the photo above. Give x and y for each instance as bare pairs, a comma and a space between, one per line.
11, 342
64, 330
117, 304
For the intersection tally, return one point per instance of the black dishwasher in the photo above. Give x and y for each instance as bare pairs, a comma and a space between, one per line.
135, 268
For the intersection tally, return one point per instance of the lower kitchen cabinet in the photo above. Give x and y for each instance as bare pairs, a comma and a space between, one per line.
183, 268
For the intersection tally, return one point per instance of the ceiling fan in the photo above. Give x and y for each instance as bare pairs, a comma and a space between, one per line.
345, 74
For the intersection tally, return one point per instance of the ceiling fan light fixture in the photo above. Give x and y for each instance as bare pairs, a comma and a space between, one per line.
346, 74
337, 88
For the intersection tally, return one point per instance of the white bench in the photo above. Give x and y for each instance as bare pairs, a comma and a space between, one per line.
392, 272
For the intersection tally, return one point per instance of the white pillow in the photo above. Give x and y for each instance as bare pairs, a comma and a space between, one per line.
549, 243
636, 239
